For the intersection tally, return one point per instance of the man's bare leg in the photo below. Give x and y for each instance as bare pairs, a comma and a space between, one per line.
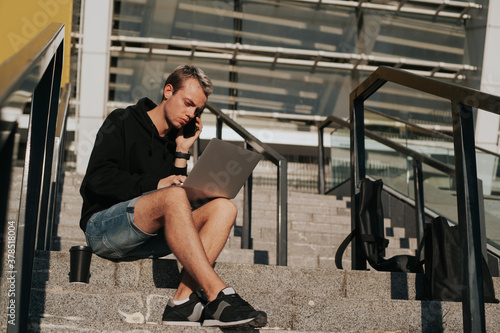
171, 208
214, 221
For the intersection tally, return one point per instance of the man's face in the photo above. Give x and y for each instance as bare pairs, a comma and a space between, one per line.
185, 104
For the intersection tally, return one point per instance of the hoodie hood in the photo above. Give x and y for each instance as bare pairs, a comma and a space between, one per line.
140, 111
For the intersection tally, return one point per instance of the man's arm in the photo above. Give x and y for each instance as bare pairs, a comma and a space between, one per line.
105, 180
183, 145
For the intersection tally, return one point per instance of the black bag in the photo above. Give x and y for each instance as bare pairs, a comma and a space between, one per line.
370, 231
442, 278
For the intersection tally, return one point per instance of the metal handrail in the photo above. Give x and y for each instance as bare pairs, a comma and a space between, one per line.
45, 234
452, 92
36, 69
322, 122
462, 100
428, 131
282, 186
338, 122
18, 66
418, 160
436, 164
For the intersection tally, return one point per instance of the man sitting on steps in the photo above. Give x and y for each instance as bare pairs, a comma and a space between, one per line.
131, 208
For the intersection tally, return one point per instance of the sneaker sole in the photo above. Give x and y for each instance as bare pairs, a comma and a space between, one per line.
259, 321
182, 323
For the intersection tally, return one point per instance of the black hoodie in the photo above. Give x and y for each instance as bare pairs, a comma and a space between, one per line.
128, 159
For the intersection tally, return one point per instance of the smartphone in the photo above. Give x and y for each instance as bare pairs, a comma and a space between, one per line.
190, 128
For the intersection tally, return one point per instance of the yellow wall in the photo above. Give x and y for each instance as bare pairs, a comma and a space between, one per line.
21, 20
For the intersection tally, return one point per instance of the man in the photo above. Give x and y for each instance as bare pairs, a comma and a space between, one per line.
131, 207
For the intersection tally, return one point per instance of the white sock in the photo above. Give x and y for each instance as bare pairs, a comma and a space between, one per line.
180, 302
228, 291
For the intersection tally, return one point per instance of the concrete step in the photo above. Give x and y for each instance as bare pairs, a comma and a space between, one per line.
311, 256
73, 236
320, 313
295, 299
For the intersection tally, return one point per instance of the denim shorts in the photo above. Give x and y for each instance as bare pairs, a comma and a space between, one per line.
112, 234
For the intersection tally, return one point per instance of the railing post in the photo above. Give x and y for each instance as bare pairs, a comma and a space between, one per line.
282, 211
54, 188
321, 160
218, 128
246, 234
45, 200
418, 188
358, 172
468, 218
482, 218
58, 160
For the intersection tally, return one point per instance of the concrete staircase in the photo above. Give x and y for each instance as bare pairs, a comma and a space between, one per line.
316, 225
310, 295
130, 297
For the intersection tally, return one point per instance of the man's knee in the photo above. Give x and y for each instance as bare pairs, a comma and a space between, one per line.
173, 195
226, 206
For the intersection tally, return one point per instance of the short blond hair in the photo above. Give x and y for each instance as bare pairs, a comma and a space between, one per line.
184, 72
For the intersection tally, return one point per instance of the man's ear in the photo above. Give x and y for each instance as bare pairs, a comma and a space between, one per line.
168, 91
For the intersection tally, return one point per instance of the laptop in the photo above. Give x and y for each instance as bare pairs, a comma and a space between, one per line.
221, 170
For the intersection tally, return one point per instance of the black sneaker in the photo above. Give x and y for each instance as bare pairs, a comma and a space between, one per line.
186, 314
230, 310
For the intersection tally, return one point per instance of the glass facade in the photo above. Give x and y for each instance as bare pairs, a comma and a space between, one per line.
290, 57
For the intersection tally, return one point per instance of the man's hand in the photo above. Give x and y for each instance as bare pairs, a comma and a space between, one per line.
184, 144
171, 180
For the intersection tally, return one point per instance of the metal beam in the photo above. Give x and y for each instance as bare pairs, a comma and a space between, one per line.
289, 56
409, 7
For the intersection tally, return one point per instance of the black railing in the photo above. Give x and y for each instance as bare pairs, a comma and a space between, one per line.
462, 101
31, 79
251, 142
417, 160
45, 231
